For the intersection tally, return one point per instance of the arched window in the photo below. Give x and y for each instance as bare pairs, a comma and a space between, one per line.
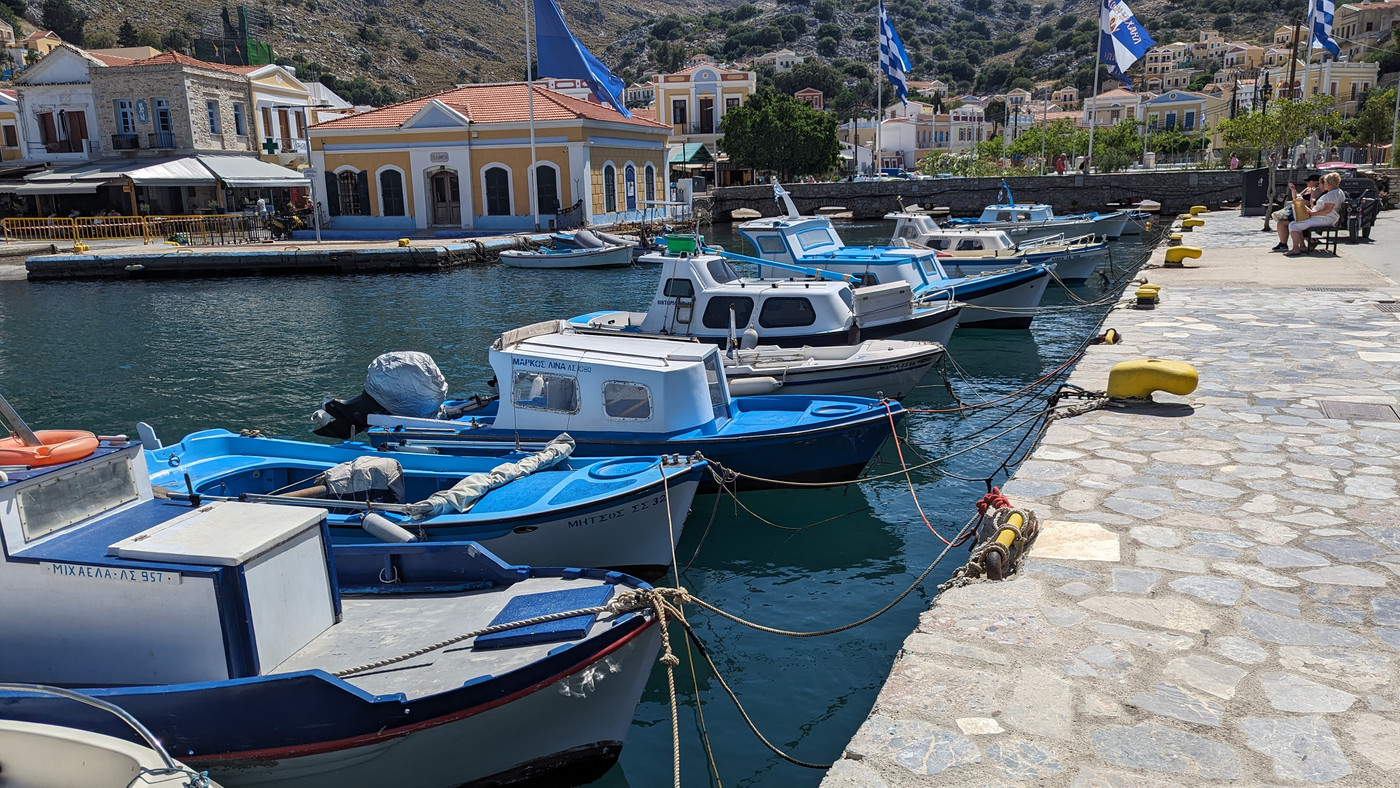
609, 189
547, 188
391, 192
650, 190
348, 190
497, 192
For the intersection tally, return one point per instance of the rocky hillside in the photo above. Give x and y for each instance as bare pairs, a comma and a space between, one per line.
377, 50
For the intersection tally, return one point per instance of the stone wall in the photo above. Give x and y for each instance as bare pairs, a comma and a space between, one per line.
187, 90
1177, 191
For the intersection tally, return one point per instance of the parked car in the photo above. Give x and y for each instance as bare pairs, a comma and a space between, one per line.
894, 172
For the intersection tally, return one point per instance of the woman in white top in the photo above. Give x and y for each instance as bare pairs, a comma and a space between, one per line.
1326, 210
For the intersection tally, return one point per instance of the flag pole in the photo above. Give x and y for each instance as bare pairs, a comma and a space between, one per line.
530, 102
1094, 111
879, 114
1307, 52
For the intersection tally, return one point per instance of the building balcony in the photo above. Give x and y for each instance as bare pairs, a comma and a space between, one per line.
163, 140
696, 129
62, 146
126, 141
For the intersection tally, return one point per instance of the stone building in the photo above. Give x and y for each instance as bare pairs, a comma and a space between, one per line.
172, 104
1362, 27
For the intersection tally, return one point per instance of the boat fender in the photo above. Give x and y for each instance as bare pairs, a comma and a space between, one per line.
384, 529
749, 387
1139, 379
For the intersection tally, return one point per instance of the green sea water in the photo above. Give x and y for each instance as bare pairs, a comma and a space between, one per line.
260, 353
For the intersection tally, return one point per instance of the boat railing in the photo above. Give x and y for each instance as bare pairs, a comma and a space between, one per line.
1060, 240
170, 766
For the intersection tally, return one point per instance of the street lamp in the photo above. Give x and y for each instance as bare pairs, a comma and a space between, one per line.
1265, 89
1261, 97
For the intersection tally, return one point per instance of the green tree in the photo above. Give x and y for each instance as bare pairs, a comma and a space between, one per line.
146, 37
774, 132
99, 39
64, 20
810, 73
126, 34
1374, 124
177, 40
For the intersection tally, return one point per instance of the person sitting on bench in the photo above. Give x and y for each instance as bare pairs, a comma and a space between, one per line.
1325, 213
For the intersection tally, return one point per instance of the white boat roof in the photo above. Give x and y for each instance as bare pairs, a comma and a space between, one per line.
554, 340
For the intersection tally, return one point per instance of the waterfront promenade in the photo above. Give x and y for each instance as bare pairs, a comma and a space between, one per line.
1215, 595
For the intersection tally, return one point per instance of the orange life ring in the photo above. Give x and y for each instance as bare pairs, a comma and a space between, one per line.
55, 447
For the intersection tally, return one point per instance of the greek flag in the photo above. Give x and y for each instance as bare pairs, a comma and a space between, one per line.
1122, 39
1323, 10
894, 61
778, 191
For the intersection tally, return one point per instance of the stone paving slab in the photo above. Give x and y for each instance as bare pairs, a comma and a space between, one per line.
1214, 599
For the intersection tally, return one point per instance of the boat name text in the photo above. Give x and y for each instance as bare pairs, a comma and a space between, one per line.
553, 366
112, 574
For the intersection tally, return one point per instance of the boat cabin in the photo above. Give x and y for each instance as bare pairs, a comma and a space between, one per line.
789, 239
553, 378
812, 241
704, 297
957, 241
1020, 213
105, 585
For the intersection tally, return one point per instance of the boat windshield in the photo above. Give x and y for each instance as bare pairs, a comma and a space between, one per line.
90, 489
814, 239
714, 377
722, 271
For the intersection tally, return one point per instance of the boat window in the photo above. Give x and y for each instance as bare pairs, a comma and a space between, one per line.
1023, 217
811, 239
941, 244
717, 311
848, 298
89, 490
542, 391
970, 245
1003, 216
785, 312
771, 244
679, 288
722, 271
626, 400
714, 378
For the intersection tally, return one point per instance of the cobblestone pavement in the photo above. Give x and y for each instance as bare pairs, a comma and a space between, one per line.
1214, 597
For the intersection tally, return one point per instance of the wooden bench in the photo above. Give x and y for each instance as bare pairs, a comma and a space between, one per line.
1326, 237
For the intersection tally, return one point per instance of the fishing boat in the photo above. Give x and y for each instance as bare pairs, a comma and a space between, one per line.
1004, 298
44, 755
701, 296
1030, 222
605, 257
254, 649
966, 251
597, 239
544, 509
874, 368
628, 396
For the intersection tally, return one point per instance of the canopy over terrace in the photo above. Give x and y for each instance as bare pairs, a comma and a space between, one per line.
173, 185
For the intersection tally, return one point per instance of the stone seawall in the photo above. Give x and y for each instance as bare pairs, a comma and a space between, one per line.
1177, 191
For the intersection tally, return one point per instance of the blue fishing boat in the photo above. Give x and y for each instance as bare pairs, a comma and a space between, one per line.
252, 648
964, 251
544, 509
625, 396
1005, 298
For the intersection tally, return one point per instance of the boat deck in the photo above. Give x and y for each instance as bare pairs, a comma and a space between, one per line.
381, 627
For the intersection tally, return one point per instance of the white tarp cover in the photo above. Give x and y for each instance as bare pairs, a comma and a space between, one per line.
468, 491
355, 479
407, 383
186, 171
247, 172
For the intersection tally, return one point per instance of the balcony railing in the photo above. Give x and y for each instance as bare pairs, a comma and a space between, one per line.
126, 141
695, 128
62, 146
162, 139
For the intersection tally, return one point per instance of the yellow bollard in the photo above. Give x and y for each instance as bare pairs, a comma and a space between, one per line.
1138, 379
1150, 286
1195, 209
1177, 254
404, 242
1187, 224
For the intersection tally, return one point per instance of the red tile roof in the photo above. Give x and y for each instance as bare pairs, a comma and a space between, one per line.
111, 60
498, 103
176, 58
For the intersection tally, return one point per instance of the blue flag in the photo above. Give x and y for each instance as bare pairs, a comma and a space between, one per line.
1323, 11
894, 61
1122, 39
562, 56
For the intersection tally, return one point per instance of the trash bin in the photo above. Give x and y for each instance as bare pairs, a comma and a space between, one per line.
1255, 200
1149, 160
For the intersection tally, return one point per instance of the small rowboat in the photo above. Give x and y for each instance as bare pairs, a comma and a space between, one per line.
606, 257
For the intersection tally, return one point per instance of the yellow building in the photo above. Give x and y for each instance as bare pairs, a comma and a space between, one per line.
692, 102
40, 42
461, 159
1181, 110
1345, 82
11, 146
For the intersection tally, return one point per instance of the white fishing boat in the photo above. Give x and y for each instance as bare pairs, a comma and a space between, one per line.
597, 239
874, 368
970, 250
604, 257
1030, 222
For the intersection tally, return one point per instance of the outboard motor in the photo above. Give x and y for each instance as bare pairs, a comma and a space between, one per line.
402, 383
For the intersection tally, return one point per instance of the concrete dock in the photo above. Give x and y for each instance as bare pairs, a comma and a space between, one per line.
1213, 599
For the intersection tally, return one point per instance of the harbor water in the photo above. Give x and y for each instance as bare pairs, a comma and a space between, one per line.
260, 353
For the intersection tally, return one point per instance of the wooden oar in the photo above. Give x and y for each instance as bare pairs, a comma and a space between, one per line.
17, 426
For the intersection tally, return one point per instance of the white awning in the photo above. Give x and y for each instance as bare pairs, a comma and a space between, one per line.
185, 171
247, 172
54, 188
